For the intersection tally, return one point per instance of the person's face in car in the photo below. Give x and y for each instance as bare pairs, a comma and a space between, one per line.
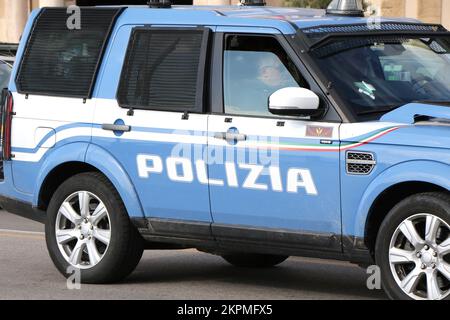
270, 75
269, 72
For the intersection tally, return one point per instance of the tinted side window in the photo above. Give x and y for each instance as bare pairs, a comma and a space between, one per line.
61, 61
254, 68
164, 70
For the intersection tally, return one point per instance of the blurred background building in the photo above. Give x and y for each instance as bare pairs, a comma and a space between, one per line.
14, 13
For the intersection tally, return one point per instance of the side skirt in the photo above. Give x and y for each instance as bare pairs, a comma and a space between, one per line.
219, 239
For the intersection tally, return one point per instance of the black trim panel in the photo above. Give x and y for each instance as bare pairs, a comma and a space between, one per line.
177, 228
23, 209
220, 239
356, 251
276, 238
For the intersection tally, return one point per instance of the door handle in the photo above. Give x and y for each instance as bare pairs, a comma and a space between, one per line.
229, 136
116, 127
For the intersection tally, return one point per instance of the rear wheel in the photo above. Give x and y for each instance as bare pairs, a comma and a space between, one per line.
413, 248
245, 260
88, 228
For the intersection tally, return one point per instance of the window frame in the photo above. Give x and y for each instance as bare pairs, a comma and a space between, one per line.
201, 75
217, 81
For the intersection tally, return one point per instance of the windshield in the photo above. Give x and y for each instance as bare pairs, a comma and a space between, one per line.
374, 76
5, 74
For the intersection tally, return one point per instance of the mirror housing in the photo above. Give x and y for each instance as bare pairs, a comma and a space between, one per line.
294, 102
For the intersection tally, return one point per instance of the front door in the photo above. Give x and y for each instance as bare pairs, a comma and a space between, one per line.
267, 173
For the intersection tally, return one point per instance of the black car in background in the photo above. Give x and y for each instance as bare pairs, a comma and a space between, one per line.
7, 56
5, 73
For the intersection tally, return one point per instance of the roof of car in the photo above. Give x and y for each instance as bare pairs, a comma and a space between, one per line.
284, 19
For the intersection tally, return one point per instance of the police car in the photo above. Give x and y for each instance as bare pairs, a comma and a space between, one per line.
249, 132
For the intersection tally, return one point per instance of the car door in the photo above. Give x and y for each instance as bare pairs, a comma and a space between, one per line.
156, 128
272, 179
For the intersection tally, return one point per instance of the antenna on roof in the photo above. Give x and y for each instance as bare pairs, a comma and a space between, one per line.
252, 3
351, 8
159, 4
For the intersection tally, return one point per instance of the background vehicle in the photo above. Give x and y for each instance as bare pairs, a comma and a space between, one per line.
251, 133
5, 73
8, 52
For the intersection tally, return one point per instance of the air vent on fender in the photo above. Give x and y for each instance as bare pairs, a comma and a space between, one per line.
360, 163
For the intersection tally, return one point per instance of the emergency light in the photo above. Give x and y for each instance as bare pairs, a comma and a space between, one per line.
159, 3
253, 3
353, 8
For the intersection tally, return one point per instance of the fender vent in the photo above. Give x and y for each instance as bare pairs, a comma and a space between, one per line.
360, 163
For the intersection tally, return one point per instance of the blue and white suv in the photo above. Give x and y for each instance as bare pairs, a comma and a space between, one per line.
249, 132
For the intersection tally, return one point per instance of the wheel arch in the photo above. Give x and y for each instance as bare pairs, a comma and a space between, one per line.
57, 176
96, 159
392, 186
387, 200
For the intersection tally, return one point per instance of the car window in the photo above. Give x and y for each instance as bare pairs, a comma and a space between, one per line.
254, 68
374, 76
5, 74
163, 70
59, 61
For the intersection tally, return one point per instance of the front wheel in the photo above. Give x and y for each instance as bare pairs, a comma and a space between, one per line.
88, 229
253, 260
413, 248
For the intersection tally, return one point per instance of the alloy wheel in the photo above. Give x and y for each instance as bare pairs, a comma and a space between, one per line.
419, 257
83, 229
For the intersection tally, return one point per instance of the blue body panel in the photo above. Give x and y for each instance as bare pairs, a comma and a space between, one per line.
26, 32
428, 171
408, 113
104, 161
408, 154
283, 210
70, 149
7, 188
160, 197
109, 73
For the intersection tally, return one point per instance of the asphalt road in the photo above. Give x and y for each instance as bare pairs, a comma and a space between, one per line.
26, 272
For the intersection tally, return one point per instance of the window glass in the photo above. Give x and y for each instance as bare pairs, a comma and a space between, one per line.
61, 61
164, 70
254, 68
375, 76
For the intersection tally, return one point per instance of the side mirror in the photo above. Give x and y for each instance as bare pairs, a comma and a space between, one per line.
294, 102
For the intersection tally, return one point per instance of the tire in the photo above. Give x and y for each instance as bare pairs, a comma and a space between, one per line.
244, 260
107, 260
417, 261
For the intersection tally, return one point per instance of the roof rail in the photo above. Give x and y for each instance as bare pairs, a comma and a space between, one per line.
316, 37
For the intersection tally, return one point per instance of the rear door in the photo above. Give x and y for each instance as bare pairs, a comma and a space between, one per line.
155, 124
